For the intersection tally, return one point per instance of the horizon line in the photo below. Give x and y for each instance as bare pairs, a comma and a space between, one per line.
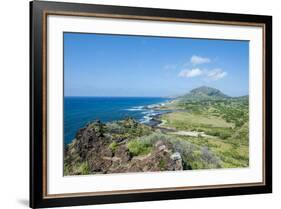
140, 96
115, 96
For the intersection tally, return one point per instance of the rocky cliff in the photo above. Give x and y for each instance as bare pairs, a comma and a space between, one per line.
113, 148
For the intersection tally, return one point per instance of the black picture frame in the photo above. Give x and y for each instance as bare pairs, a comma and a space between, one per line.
38, 11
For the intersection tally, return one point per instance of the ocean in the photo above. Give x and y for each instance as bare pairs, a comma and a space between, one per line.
78, 111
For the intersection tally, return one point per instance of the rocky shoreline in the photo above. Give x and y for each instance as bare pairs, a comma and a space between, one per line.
155, 120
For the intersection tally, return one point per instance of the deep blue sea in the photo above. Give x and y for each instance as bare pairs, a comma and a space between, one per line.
78, 111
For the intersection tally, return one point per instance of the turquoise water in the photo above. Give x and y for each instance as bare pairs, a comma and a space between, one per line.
78, 111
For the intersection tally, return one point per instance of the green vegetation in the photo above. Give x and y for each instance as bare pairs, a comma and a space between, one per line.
224, 120
230, 155
204, 93
193, 156
137, 147
127, 129
193, 121
98, 127
84, 168
112, 146
77, 168
161, 164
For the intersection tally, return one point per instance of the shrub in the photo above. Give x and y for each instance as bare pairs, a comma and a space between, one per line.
178, 144
193, 156
98, 127
112, 146
114, 127
84, 168
185, 148
208, 157
154, 137
137, 147
203, 158
66, 169
161, 164
127, 128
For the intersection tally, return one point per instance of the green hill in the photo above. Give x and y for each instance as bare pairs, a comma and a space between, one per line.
204, 93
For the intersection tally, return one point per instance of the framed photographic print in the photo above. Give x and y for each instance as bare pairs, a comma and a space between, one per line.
140, 104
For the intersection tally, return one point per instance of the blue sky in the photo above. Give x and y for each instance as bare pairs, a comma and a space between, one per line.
119, 65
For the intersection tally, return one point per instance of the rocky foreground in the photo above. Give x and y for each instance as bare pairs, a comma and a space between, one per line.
117, 148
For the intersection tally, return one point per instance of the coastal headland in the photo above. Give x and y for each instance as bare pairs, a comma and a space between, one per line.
203, 129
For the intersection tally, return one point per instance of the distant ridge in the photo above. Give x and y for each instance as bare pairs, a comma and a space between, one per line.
204, 93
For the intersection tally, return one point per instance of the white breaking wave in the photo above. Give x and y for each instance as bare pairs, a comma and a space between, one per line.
145, 119
137, 108
147, 112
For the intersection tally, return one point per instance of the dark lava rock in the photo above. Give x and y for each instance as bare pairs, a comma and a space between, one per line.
90, 153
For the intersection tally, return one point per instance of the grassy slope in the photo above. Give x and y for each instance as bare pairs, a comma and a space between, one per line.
227, 120
185, 120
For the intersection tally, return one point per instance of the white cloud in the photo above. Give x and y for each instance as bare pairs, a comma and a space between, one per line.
197, 60
216, 74
206, 74
191, 73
